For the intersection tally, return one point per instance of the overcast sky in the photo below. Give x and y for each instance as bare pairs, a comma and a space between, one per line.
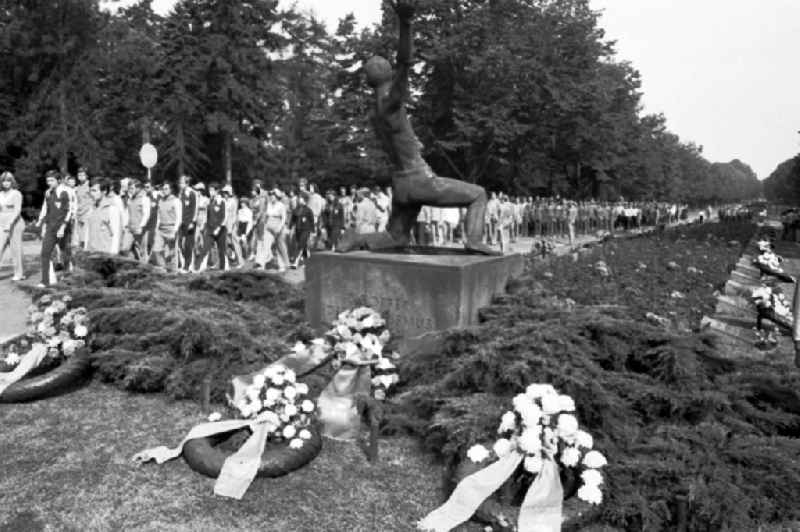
724, 72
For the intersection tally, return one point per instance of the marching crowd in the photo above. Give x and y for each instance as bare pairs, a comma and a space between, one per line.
197, 226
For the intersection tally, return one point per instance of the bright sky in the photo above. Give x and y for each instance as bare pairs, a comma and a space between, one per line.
723, 72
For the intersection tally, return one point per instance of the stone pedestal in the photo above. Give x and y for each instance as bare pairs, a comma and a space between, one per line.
416, 293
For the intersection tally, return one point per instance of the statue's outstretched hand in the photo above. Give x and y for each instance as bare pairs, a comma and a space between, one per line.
404, 9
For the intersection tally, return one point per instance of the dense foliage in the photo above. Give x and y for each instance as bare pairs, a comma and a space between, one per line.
783, 184
687, 431
158, 333
523, 95
672, 274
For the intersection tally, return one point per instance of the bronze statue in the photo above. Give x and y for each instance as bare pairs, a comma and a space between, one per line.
413, 184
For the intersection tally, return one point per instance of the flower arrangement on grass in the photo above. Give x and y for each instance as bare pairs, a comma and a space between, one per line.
768, 259
275, 390
542, 434
543, 426
765, 298
52, 326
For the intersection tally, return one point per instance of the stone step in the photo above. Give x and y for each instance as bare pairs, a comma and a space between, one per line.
735, 288
744, 278
718, 326
735, 306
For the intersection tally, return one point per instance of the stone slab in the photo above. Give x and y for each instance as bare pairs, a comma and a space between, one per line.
743, 278
416, 293
733, 306
732, 331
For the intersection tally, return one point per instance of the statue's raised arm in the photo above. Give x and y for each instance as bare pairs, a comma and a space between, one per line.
405, 50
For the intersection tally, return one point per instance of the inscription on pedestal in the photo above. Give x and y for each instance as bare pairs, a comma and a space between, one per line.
416, 294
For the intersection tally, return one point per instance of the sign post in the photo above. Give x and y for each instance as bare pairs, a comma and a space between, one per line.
148, 155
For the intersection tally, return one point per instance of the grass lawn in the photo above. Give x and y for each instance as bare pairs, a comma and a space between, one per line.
67, 465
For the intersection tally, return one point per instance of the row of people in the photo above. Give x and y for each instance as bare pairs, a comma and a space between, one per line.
181, 227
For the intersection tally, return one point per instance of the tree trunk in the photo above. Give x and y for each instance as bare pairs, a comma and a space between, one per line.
62, 117
228, 157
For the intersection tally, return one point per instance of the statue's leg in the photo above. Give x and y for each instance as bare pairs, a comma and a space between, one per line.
446, 192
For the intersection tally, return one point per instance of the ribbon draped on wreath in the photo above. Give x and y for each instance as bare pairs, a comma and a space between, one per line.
354, 346
541, 434
540, 510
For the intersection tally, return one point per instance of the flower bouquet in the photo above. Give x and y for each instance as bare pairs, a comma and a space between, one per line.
274, 425
542, 437
50, 355
771, 305
769, 263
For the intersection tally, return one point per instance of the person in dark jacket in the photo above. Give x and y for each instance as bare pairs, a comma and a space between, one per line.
54, 217
333, 219
216, 228
302, 223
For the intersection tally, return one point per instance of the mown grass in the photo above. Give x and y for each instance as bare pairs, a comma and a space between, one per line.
66, 465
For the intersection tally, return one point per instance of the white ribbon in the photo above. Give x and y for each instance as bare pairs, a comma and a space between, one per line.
540, 511
240, 468
27, 363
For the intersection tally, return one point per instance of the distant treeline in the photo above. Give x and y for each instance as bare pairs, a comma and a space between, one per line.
525, 96
783, 185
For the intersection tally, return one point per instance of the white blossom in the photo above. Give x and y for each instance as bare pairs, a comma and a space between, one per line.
570, 456
551, 404
289, 431
566, 404
567, 425
305, 434
502, 447
290, 410
478, 453
584, 439
296, 443
531, 440
290, 392
214, 416
592, 477
590, 494
301, 388
307, 406
272, 395
594, 459
507, 422
535, 391
259, 380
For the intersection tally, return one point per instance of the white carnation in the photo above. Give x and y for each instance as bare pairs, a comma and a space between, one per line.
592, 477
594, 459
507, 422
290, 410
535, 391
531, 440
502, 447
81, 331
272, 395
305, 434
567, 425
551, 404
478, 453
584, 439
590, 494
534, 463
12, 359
259, 380
289, 431
301, 388
214, 416
566, 404
290, 392
570, 456
296, 443
278, 379
307, 406
289, 375
531, 414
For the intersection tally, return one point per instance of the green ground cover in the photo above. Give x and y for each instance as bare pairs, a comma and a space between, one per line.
684, 429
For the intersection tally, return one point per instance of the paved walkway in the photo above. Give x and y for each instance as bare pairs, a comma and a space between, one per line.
13, 301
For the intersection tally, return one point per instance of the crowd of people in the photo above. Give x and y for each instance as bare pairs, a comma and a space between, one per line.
194, 226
